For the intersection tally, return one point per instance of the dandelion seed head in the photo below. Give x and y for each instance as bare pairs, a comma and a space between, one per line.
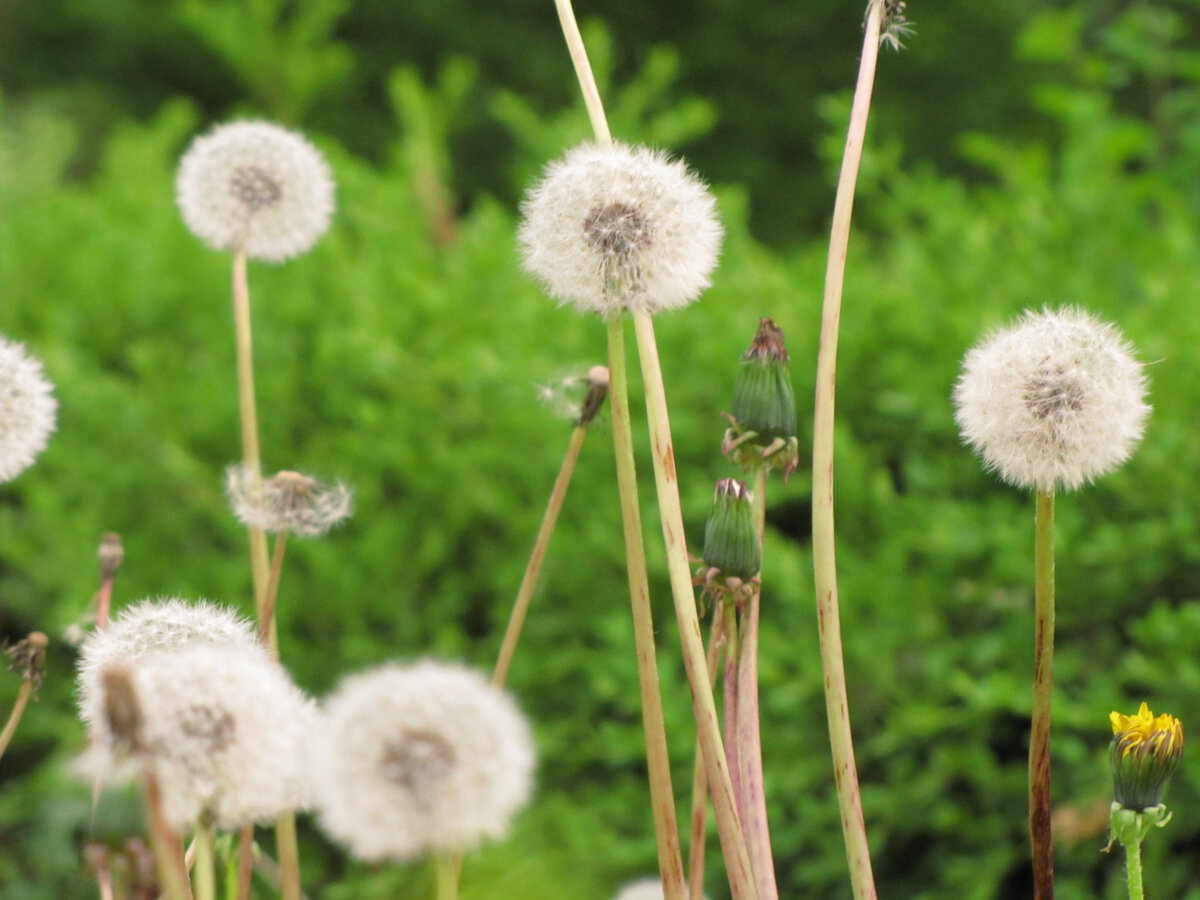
286, 502
642, 889
610, 229
425, 758
147, 627
227, 734
1053, 401
258, 184
28, 410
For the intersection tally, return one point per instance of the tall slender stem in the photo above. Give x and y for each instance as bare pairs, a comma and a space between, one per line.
1133, 870
729, 826
445, 873
824, 559
525, 593
266, 624
1043, 678
752, 794
662, 796
716, 640
583, 72
14, 718
245, 863
204, 871
168, 850
729, 712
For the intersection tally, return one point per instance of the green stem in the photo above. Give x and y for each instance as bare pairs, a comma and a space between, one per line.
729, 826
662, 795
1043, 677
14, 718
858, 854
716, 640
266, 624
445, 872
168, 850
204, 870
525, 593
1133, 870
583, 72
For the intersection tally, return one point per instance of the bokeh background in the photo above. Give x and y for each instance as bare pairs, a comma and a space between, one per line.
1019, 154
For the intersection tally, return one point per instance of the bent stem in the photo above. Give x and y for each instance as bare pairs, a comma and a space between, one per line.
14, 718
716, 640
752, 791
1043, 677
824, 558
729, 826
516, 620
662, 796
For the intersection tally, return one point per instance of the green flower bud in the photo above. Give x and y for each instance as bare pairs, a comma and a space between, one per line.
730, 539
1144, 753
762, 394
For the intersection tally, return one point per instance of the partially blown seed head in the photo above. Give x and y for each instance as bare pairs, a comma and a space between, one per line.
28, 410
427, 758
1054, 401
148, 627
286, 502
258, 185
615, 228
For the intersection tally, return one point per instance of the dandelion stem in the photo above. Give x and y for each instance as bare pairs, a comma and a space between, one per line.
203, 873
266, 625
729, 714
446, 875
245, 863
525, 593
752, 793
716, 640
729, 825
14, 718
583, 72
858, 853
1043, 676
104, 880
662, 796
1133, 870
168, 849
285, 825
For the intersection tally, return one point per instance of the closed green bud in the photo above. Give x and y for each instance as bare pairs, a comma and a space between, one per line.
730, 539
1144, 753
762, 394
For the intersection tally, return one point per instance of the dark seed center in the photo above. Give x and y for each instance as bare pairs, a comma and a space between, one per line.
1054, 393
209, 729
255, 188
618, 230
414, 758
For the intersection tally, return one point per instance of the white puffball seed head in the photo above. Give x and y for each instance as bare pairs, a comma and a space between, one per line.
426, 758
258, 185
1053, 401
610, 229
28, 410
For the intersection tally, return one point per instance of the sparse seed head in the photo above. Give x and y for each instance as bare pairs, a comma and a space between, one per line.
226, 731
28, 410
148, 627
257, 184
1054, 401
286, 502
610, 229
426, 758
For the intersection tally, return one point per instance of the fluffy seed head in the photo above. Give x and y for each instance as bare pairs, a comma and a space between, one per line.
257, 184
287, 501
1053, 401
226, 732
148, 627
610, 229
28, 410
642, 889
410, 760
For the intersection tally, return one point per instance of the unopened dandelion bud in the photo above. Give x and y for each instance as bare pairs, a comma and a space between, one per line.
1144, 753
111, 554
730, 538
287, 502
255, 186
617, 228
1053, 401
28, 410
763, 410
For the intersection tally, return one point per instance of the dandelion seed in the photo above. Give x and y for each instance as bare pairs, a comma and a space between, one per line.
258, 185
286, 502
227, 734
28, 410
1056, 400
610, 229
148, 627
427, 758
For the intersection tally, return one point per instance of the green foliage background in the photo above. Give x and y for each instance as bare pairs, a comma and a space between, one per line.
1053, 163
